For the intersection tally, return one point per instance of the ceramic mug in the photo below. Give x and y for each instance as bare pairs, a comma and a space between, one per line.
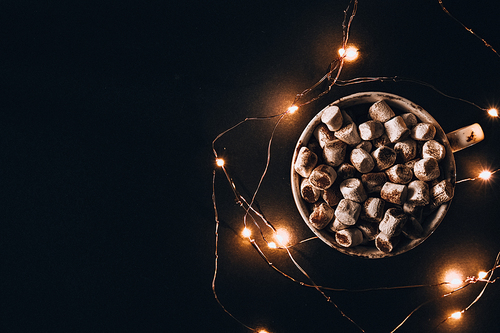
453, 141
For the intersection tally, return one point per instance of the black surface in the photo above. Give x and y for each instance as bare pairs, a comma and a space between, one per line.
108, 111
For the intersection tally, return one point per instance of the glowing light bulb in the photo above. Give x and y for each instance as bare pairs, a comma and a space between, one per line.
293, 108
453, 278
219, 162
263, 331
272, 245
482, 275
349, 54
455, 282
456, 315
246, 232
485, 175
282, 237
493, 112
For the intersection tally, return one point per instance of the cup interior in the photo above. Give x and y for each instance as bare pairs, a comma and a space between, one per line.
356, 103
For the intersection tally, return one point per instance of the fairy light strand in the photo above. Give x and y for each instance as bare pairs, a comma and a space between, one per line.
484, 175
335, 67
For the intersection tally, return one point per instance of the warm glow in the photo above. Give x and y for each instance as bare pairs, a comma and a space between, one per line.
292, 108
349, 54
485, 175
272, 245
220, 162
456, 315
493, 112
482, 275
263, 331
246, 232
282, 237
453, 278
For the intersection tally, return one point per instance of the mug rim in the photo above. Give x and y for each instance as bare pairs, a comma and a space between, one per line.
429, 223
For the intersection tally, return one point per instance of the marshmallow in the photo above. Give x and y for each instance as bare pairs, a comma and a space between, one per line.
372, 210
332, 195
322, 215
441, 192
418, 193
349, 237
348, 211
346, 170
332, 117
353, 189
336, 225
432, 148
309, 192
385, 243
426, 169
384, 157
323, 134
396, 129
368, 229
365, 145
394, 193
373, 182
399, 174
394, 219
371, 129
423, 132
361, 160
406, 150
349, 134
381, 111
323, 176
412, 228
383, 140
306, 161
410, 119
334, 152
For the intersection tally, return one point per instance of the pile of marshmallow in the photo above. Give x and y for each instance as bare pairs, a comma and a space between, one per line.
372, 183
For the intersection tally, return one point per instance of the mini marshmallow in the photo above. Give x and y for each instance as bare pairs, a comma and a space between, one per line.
323, 176
384, 157
365, 145
332, 195
309, 192
332, 117
412, 228
396, 129
346, 170
323, 135
441, 192
394, 193
321, 216
349, 237
371, 129
418, 193
381, 111
399, 174
336, 225
334, 152
349, 134
423, 132
410, 119
426, 169
385, 243
432, 148
306, 161
372, 210
383, 140
353, 189
348, 211
361, 160
369, 230
394, 219
373, 182
406, 150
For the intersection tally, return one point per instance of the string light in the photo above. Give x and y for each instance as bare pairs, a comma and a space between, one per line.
483, 175
456, 315
493, 112
282, 236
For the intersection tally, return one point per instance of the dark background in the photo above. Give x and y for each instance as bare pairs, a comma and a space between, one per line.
107, 113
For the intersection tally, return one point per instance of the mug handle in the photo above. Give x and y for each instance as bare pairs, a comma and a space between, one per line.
465, 137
